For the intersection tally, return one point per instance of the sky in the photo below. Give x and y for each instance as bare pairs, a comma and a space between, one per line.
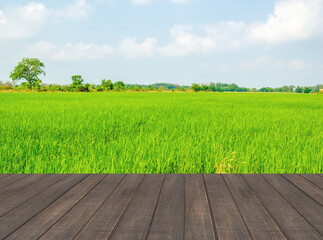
251, 43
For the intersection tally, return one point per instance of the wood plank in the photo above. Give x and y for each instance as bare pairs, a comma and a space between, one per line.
72, 222
259, 222
49, 216
11, 179
106, 218
290, 221
30, 191
316, 179
168, 222
19, 185
3, 175
227, 218
198, 220
305, 205
18, 216
136, 220
306, 186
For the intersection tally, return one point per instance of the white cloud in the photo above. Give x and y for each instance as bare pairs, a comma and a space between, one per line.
181, 1
131, 49
257, 64
79, 9
128, 48
142, 2
224, 67
70, 51
22, 22
299, 64
3, 19
26, 21
227, 34
186, 42
291, 20
267, 62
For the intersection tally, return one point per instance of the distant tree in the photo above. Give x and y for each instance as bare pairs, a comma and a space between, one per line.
77, 80
299, 89
212, 87
196, 87
242, 89
233, 87
77, 84
107, 85
166, 86
205, 88
266, 89
307, 90
182, 89
317, 88
119, 86
28, 69
288, 88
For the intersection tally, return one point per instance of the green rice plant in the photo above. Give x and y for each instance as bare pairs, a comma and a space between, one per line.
161, 132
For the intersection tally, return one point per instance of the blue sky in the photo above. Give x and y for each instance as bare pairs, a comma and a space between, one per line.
251, 43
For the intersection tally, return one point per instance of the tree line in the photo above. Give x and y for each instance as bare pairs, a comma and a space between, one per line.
29, 70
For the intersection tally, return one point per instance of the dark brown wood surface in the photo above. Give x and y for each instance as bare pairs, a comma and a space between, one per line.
292, 223
168, 222
159, 207
137, 219
222, 204
198, 220
257, 219
307, 187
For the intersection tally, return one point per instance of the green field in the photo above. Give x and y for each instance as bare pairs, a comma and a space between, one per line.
161, 133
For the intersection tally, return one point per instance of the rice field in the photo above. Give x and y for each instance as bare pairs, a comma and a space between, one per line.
135, 132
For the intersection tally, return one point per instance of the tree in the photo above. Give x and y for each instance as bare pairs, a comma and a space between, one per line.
77, 84
196, 87
107, 84
77, 80
266, 89
299, 89
205, 88
119, 86
307, 90
233, 87
28, 69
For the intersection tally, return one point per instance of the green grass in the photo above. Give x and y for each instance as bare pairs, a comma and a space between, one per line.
161, 133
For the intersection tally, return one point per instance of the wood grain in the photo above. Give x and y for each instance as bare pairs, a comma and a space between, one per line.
305, 205
136, 220
259, 222
49, 216
70, 224
4, 175
154, 207
19, 185
106, 218
11, 179
168, 222
198, 220
290, 221
222, 204
306, 186
21, 214
316, 179
28, 192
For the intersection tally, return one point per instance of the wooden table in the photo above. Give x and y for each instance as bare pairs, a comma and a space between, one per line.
161, 206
